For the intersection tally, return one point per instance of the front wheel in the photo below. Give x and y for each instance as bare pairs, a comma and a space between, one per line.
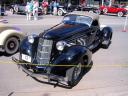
75, 74
98, 12
11, 45
105, 10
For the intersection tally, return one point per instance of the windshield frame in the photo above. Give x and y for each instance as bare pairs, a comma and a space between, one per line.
77, 19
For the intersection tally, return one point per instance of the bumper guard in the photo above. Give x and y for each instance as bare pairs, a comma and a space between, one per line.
47, 76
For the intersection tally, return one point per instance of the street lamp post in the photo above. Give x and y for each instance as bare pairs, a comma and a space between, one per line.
0, 9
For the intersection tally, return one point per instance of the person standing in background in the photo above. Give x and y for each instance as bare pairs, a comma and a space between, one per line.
51, 7
55, 6
28, 9
35, 9
45, 6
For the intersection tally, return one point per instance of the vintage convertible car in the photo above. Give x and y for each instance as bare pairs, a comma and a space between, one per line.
63, 52
114, 9
20, 9
90, 9
10, 38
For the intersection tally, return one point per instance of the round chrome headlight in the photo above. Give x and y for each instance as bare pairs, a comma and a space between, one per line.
31, 39
60, 45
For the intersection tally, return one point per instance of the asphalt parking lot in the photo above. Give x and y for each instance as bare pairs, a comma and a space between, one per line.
107, 77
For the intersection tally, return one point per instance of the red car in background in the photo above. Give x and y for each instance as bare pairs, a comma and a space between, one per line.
116, 9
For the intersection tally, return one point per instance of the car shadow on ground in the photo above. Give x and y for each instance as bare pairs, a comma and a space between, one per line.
6, 55
2, 54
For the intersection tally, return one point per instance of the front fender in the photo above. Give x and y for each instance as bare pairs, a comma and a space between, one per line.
27, 48
4, 35
107, 33
63, 10
70, 58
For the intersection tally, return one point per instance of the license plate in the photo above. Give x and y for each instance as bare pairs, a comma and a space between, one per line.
26, 58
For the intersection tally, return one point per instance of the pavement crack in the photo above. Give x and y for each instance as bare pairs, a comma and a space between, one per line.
10, 94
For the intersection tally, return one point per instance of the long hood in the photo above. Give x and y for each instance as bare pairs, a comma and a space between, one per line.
3, 28
63, 31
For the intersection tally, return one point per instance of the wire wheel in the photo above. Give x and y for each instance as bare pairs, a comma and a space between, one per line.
105, 10
60, 13
77, 71
75, 75
120, 14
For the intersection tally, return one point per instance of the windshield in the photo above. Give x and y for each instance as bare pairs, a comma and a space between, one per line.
73, 19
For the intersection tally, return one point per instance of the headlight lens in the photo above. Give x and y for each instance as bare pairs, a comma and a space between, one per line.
31, 39
60, 45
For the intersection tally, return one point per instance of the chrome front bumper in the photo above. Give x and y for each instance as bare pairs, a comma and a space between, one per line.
47, 76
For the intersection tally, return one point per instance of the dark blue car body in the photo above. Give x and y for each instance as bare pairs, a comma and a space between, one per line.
63, 52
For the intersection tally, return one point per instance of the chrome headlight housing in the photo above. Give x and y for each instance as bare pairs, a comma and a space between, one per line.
60, 45
31, 39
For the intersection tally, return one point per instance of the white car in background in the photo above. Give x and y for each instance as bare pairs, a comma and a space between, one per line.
10, 38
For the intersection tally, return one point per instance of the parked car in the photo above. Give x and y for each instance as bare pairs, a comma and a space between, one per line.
90, 9
116, 9
10, 38
63, 52
20, 9
61, 11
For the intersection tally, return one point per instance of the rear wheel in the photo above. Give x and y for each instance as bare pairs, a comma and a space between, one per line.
11, 45
60, 13
106, 37
91, 11
106, 43
120, 14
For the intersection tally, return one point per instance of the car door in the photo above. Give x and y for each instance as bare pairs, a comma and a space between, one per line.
113, 9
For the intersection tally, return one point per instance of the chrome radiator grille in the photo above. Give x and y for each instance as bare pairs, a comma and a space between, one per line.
44, 51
